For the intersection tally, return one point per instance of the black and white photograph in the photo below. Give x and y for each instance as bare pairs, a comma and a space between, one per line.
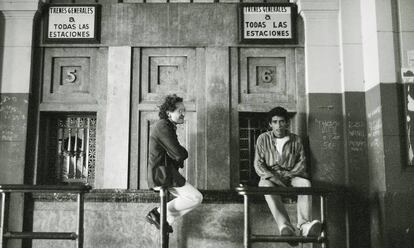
206, 123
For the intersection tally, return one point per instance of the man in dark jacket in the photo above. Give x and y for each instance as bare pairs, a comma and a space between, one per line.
166, 156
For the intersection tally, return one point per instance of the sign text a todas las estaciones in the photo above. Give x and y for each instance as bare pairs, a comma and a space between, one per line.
72, 23
268, 23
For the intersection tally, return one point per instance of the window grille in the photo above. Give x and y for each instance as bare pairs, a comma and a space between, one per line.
75, 148
251, 125
71, 149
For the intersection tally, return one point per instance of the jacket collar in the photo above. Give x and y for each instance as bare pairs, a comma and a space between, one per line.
172, 124
288, 134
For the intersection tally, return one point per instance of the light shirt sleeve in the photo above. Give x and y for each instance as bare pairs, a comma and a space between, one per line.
259, 160
299, 168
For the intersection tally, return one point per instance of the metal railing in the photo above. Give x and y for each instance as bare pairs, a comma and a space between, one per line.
164, 235
249, 238
7, 189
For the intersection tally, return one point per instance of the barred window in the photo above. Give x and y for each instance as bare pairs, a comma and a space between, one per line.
69, 156
251, 125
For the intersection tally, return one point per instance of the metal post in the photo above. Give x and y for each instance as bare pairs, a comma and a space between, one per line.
80, 203
163, 218
324, 233
2, 223
246, 240
86, 141
75, 149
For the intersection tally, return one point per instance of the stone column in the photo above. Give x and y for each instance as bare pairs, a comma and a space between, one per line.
217, 119
115, 169
16, 23
325, 121
355, 136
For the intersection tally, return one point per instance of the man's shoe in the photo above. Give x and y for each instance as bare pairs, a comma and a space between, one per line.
153, 217
288, 231
311, 229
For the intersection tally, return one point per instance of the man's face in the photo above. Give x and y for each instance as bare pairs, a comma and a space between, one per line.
279, 126
177, 116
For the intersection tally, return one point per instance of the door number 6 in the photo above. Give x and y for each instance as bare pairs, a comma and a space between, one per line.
267, 76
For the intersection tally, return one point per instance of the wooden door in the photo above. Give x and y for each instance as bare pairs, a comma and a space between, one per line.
158, 72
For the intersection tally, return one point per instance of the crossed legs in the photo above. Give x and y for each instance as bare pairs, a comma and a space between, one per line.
187, 198
278, 209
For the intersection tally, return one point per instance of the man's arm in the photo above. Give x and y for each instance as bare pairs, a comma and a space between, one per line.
262, 168
300, 161
168, 140
177, 164
259, 161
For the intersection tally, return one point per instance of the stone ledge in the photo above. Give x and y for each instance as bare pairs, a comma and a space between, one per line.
138, 196
123, 225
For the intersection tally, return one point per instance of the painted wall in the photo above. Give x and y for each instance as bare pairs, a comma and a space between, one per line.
16, 23
386, 27
15, 75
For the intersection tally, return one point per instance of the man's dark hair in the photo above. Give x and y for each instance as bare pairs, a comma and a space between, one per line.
278, 111
169, 105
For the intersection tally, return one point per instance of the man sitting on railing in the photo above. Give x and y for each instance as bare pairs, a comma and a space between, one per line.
280, 162
166, 156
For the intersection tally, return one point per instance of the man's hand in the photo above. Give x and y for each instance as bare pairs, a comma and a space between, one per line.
278, 181
287, 175
175, 163
180, 164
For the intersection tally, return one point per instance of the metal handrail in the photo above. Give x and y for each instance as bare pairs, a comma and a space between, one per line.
273, 238
41, 235
249, 190
24, 188
249, 238
7, 189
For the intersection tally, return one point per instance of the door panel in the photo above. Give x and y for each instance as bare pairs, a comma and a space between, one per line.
186, 137
267, 78
167, 71
158, 72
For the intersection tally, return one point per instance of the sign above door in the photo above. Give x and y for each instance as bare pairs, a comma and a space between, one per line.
267, 23
72, 23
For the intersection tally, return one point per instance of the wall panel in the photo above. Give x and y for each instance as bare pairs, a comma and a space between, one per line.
69, 75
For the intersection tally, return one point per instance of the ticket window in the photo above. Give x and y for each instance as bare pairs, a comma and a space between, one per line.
251, 125
67, 153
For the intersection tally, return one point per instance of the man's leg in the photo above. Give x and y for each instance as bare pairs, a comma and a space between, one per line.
154, 216
276, 206
187, 198
307, 227
304, 201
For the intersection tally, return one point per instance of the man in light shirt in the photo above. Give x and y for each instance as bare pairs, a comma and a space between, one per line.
280, 162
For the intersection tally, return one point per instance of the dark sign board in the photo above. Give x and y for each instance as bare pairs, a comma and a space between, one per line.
268, 23
72, 23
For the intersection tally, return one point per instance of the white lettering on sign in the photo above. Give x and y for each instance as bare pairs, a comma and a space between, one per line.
267, 22
71, 22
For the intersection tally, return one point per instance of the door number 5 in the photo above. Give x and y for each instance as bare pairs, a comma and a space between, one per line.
71, 76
